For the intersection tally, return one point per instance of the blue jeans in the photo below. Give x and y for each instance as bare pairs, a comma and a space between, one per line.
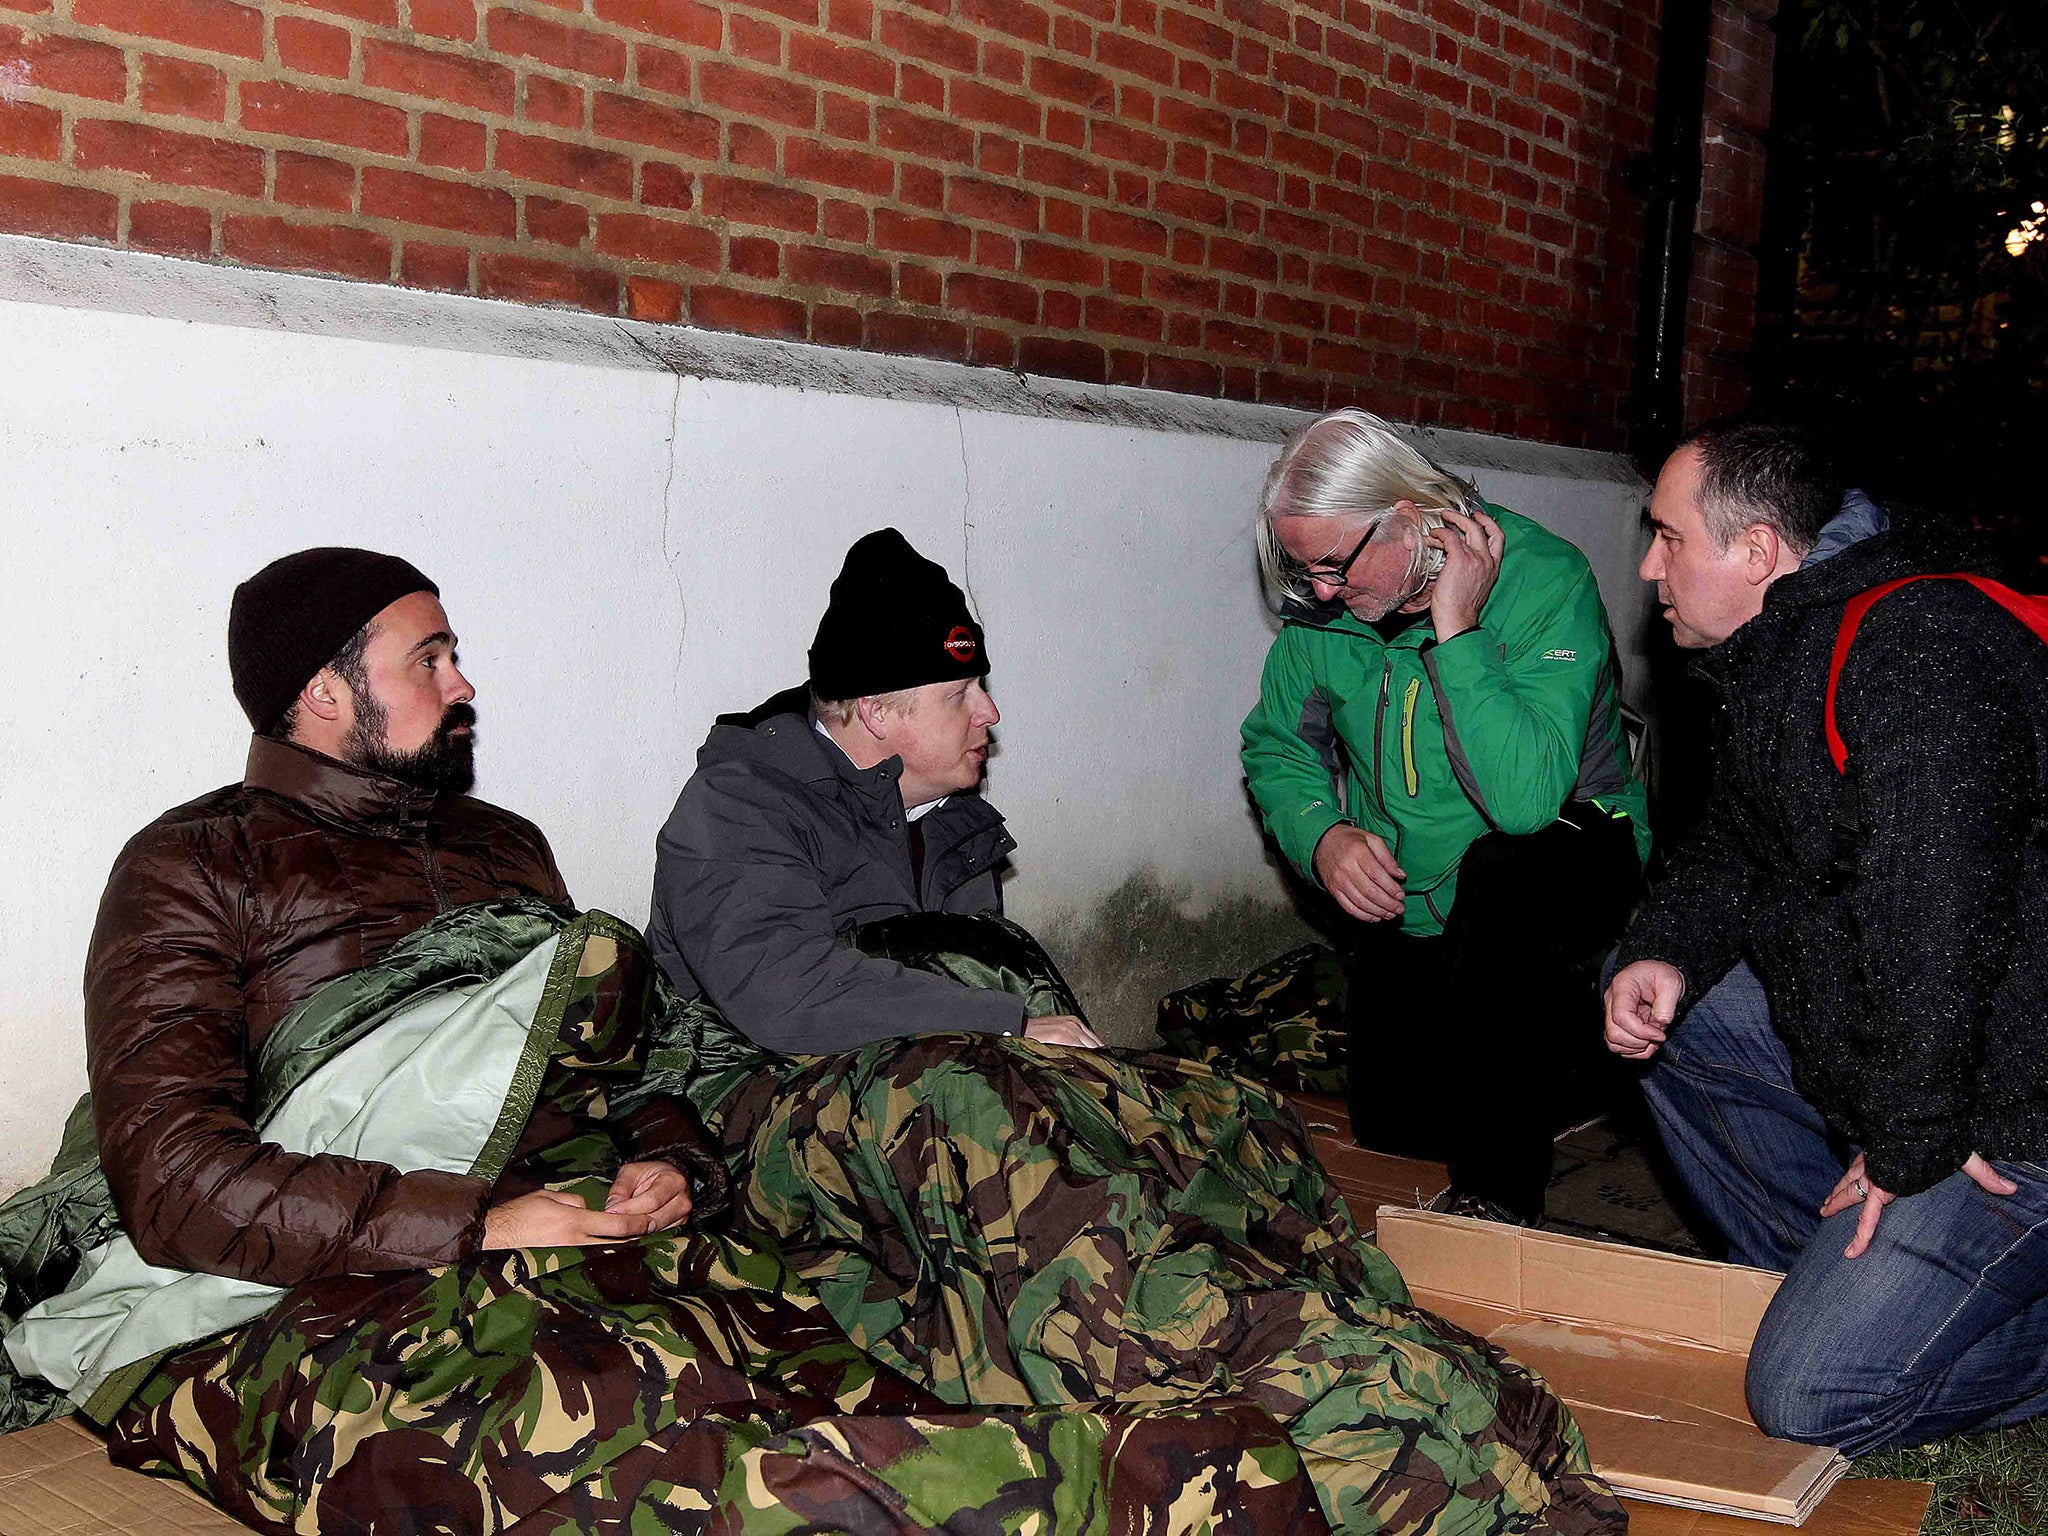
1942, 1324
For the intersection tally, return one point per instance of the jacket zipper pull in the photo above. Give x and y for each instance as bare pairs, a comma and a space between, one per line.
1408, 774
1379, 730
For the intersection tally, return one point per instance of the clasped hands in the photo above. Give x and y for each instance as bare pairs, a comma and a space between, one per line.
644, 1198
1642, 1000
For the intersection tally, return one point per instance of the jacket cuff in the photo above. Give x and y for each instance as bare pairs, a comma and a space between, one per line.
1701, 967
666, 1129
439, 1218
1630, 950
1908, 1167
1312, 826
992, 1013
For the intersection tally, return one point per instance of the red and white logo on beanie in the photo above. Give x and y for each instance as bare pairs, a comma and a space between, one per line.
960, 644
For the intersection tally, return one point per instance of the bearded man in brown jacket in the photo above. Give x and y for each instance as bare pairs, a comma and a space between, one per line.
350, 829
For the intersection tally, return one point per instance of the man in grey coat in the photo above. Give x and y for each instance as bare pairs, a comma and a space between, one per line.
832, 805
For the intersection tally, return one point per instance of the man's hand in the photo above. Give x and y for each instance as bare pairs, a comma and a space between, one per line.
658, 1191
1472, 549
553, 1218
1855, 1188
1642, 1000
1356, 867
1062, 1029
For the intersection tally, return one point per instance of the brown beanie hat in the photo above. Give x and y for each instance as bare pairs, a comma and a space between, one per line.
292, 617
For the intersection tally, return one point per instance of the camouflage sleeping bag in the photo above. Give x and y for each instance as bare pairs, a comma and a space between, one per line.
1012, 1223
1282, 1024
969, 1285
688, 1381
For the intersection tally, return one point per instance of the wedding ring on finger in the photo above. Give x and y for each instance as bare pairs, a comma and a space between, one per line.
1862, 1193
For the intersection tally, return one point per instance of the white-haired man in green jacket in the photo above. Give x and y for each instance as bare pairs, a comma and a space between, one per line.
1438, 744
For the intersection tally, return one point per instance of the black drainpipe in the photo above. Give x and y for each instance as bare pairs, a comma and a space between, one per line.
1672, 201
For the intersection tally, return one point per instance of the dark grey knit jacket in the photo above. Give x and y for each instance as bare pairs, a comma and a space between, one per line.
777, 847
1895, 915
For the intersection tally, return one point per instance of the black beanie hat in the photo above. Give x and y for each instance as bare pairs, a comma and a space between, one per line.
292, 617
895, 621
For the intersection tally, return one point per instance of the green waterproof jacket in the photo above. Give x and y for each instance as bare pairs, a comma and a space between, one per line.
1436, 744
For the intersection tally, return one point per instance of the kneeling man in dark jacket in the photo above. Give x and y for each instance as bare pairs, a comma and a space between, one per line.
349, 831
832, 805
1841, 987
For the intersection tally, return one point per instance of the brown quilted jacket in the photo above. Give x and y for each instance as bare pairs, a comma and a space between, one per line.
219, 917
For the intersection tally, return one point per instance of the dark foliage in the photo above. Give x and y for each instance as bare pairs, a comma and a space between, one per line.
1911, 144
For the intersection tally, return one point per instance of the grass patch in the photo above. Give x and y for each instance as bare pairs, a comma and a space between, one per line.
1993, 1484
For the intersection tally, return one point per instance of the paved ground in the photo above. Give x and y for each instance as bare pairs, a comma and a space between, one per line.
1604, 1183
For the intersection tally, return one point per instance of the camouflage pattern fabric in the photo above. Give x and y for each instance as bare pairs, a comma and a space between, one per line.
1012, 1223
44, 1229
48, 1227
974, 1285
680, 1384
976, 949
687, 1382
1282, 1024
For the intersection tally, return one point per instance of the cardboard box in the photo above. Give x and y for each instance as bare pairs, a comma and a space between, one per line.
1649, 1349
55, 1480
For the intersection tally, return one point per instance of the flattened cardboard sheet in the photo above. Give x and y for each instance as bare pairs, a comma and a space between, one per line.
55, 1480
1857, 1507
1649, 1349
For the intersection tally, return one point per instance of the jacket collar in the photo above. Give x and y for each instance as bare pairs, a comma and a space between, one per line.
958, 817
778, 734
336, 792
792, 745
1909, 550
1860, 518
879, 783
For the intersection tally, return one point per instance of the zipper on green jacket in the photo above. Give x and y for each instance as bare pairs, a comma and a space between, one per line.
1408, 736
1379, 721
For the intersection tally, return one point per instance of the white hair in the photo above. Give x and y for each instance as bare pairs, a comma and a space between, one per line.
1347, 462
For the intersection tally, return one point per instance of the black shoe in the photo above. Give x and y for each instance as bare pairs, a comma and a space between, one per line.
1459, 1202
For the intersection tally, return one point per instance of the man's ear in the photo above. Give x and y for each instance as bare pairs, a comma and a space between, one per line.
1761, 549
322, 695
873, 716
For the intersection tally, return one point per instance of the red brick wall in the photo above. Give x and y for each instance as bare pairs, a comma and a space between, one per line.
1722, 316
1412, 204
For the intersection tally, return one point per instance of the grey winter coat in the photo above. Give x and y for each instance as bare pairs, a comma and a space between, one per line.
777, 847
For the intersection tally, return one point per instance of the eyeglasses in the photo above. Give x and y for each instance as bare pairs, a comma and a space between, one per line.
1339, 575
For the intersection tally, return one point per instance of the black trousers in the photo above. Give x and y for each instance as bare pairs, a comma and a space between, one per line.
1476, 1046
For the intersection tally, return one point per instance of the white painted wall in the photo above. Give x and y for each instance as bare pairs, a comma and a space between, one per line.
625, 553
